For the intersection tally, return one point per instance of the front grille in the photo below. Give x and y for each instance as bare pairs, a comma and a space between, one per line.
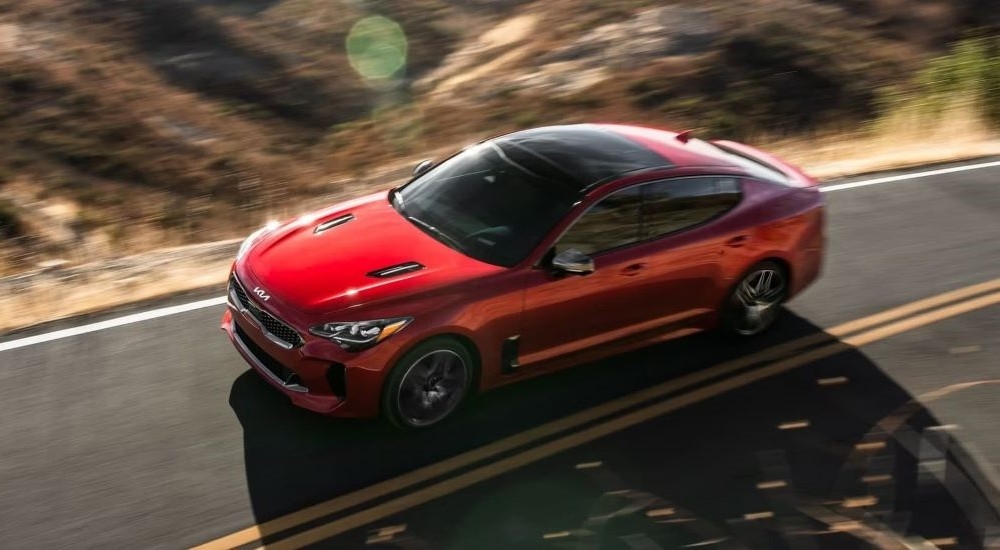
270, 323
285, 374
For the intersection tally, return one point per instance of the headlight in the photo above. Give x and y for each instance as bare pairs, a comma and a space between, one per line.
254, 237
360, 335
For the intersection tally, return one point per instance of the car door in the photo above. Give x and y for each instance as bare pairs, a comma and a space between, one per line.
684, 247
657, 264
564, 313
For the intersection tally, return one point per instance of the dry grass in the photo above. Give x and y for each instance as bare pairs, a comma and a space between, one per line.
903, 139
46, 296
35, 306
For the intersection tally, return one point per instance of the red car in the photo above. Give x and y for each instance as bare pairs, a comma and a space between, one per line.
520, 255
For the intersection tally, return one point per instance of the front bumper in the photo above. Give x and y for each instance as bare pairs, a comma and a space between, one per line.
315, 376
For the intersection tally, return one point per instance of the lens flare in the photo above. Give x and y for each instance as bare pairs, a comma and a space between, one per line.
377, 47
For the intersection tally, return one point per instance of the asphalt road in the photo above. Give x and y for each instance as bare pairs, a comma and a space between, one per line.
156, 435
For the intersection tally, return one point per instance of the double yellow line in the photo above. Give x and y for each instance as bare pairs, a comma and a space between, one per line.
778, 359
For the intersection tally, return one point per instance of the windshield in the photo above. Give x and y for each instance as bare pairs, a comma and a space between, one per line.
485, 205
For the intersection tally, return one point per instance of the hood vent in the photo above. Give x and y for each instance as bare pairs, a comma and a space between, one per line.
394, 270
329, 224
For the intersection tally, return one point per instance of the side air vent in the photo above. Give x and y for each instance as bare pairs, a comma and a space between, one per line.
394, 270
333, 223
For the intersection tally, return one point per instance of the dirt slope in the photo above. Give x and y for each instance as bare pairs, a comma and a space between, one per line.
127, 126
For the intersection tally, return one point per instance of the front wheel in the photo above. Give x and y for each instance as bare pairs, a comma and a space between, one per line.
428, 384
755, 302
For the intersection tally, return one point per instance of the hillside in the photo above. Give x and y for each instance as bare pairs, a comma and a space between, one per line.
132, 125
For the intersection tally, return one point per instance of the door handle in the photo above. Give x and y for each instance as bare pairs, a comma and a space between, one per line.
737, 241
633, 269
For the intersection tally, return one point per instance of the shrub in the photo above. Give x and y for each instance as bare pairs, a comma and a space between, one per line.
968, 74
10, 222
89, 219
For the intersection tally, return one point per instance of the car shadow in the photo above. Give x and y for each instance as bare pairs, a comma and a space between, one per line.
296, 459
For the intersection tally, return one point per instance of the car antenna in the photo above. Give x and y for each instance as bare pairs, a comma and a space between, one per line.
684, 136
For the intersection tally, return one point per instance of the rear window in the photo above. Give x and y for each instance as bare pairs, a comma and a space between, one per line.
754, 166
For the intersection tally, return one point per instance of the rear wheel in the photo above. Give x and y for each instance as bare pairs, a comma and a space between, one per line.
755, 302
428, 383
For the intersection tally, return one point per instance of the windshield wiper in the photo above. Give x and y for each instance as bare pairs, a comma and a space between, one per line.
436, 232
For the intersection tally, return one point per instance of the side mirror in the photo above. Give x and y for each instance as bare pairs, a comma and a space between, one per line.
422, 168
573, 261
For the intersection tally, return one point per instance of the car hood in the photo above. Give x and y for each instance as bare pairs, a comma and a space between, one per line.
352, 254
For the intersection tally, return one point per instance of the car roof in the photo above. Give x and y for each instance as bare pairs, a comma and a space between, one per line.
590, 153
686, 151
584, 154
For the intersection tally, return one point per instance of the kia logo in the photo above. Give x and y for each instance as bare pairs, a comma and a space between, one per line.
260, 292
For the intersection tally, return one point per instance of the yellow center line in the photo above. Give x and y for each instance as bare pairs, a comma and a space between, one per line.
343, 502
451, 485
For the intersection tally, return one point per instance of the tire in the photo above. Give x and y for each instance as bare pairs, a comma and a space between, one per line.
750, 309
428, 384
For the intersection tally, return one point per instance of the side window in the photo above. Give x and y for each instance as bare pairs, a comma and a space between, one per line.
611, 222
673, 205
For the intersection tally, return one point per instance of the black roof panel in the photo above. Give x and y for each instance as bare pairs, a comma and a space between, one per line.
585, 153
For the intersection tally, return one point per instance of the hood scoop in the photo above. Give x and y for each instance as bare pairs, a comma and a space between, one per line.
394, 270
330, 224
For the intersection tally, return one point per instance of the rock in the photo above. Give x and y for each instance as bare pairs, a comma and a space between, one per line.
494, 66
52, 265
653, 33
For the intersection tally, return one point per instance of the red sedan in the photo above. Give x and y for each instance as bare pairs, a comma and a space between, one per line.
520, 255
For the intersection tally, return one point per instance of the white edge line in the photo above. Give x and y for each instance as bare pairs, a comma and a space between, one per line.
173, 310
901, 177
111, 323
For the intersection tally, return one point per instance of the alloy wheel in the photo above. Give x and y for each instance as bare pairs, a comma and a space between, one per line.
757, 300
432, 387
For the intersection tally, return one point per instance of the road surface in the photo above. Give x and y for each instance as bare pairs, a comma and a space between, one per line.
155, 434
